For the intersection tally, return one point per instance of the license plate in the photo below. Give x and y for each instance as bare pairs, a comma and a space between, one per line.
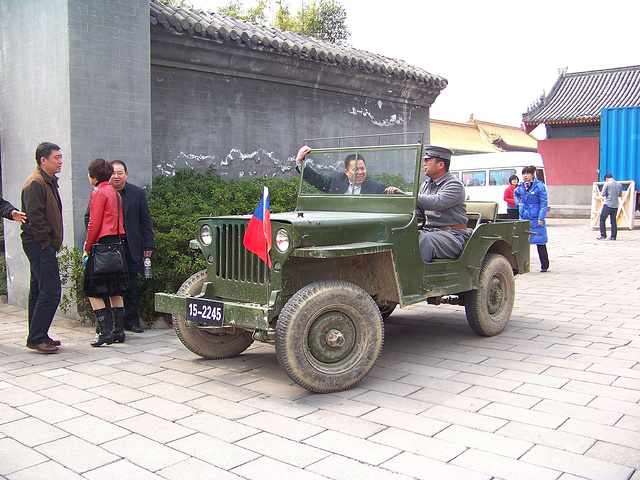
207, 312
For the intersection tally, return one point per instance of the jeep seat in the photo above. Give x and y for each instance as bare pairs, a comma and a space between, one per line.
481, 212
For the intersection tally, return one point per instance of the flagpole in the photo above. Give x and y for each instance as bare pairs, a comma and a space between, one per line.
266, 207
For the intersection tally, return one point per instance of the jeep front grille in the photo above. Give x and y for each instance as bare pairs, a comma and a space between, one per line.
233, 260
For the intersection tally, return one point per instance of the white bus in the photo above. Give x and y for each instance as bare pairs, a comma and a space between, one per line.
486, 175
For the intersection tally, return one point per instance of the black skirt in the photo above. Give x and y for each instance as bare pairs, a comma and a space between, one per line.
104, 284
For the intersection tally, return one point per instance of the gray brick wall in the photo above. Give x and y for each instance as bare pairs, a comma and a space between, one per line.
34, 107
110, 94
85, 88
248, 127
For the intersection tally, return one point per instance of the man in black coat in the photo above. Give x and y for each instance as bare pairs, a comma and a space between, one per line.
139, 238
353, 178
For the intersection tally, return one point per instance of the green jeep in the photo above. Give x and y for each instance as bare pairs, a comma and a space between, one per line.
341, 264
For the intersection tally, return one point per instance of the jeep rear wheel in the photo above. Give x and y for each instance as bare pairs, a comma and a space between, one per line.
328, 336
489, 307
212, 345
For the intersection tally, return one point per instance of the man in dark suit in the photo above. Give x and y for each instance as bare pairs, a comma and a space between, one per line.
354, 178
138, 237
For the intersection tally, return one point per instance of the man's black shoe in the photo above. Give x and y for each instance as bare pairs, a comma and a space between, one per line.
134, 329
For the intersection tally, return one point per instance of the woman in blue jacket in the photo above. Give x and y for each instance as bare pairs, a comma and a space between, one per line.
531, 198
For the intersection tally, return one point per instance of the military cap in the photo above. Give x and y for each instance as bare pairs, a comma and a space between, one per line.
431, 151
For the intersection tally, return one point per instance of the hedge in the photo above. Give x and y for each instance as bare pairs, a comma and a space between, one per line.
177, 202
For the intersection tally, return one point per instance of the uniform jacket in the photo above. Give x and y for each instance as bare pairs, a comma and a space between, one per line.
533, 206
508, 195
41, 202
442, 202
338, 183
104, 216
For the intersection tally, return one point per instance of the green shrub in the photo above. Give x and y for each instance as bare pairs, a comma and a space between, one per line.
394, 181
3, 275
177, 202
71, 277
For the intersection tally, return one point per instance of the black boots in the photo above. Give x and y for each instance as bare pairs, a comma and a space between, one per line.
118, 325
109, 326
104, 327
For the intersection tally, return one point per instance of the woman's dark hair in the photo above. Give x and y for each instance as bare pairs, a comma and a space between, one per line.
530, 169
100, 169
514, 177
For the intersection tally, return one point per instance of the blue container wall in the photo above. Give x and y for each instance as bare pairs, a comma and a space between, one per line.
620, 143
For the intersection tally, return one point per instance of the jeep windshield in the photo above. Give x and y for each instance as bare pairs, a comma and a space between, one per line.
361, 178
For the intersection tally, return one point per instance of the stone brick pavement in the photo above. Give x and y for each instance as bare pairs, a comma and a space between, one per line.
555, 396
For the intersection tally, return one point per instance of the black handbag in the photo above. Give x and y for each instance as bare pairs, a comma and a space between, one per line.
109, 258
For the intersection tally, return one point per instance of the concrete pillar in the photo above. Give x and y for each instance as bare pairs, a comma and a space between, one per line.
76, 73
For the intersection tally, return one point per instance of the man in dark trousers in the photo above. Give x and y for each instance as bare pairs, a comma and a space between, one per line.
41, 239
611, 192
138, 237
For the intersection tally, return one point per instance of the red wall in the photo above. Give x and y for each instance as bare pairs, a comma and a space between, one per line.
570, 161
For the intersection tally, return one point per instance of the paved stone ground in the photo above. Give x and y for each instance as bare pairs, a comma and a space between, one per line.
555, 396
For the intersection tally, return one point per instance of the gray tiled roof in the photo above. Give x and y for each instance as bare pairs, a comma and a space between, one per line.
218, 28
579, 97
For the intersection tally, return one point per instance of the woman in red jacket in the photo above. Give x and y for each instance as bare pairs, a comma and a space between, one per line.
106, 223
512, 208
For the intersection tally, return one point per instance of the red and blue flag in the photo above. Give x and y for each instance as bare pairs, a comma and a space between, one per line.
257, 238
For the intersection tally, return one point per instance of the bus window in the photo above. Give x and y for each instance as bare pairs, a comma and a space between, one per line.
501, 177
473, 179
456, 174
540, 174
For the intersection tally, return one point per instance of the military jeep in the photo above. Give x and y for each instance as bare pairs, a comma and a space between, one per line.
341, 264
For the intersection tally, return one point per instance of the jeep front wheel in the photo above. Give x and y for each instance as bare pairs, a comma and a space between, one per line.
328, 336
209, 344
489, 307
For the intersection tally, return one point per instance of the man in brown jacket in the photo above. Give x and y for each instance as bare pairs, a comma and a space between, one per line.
41, 239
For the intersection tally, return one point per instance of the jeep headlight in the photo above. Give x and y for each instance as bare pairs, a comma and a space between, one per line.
206, 235
282, 240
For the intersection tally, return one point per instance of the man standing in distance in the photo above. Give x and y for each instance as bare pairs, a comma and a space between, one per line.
41, 239
611, 192
138, 238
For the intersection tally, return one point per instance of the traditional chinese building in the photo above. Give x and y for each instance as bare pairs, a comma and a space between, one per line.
571, 114
477, 136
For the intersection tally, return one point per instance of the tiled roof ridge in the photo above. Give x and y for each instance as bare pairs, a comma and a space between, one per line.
601, 71
500, 125
451, 122
580, 96
244, 33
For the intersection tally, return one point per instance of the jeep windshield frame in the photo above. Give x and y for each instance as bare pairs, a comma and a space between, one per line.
324, 185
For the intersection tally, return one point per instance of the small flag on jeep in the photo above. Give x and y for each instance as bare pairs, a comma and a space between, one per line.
257, 238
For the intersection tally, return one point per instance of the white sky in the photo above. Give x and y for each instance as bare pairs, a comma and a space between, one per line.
498, 56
